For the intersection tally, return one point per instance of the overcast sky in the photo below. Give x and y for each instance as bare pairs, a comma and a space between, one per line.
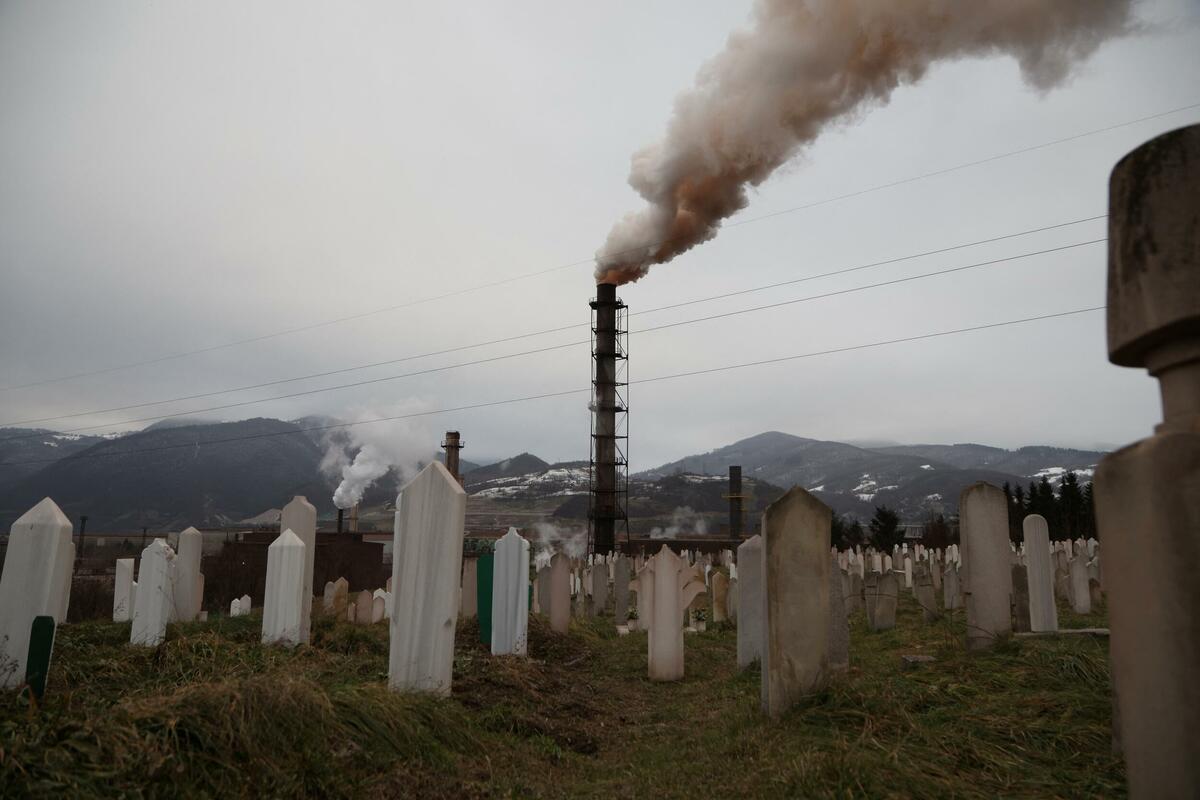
177, 176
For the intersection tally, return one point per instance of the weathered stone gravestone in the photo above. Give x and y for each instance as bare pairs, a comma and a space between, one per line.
795, 656
378, 609
426, 559
235, 607
854, 593
283, 598
951, 596
1147, 495
560, 593
189, 585
750, 603
300, 517
923, 586
36, 582
599, 586
886, 597
983, 513
1043, 613
156, 596
669, 586
1081, 595
621, 589
510, 595
247, 605
123, 591
839, 625
1020, 598
364, 607
37, 660
720, 597
468, 604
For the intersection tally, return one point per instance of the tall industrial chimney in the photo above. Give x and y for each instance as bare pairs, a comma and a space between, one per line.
610, 426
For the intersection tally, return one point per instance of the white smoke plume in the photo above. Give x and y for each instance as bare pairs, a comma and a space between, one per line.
803, 64
550, 539
683, 520
376, 447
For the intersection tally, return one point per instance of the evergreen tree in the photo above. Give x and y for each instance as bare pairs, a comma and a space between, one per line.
1070, 506
936, 532
1087, 514
885, 529
855, 534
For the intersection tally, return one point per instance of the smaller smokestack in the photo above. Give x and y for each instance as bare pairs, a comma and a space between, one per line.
452, 445
354, 518
735, 501
341, 516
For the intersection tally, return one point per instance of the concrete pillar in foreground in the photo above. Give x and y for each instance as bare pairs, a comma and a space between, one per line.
983, 519
1148, 494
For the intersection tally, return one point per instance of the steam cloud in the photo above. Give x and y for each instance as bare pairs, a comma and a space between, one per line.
683, 520
804, 64
377, 448
551, 539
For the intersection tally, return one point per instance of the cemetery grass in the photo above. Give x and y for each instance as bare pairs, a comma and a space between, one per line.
213, 713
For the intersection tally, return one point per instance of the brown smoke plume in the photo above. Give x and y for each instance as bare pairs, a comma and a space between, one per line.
804, 64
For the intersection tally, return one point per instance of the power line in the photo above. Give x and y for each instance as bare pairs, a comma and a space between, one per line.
385, 379
197, 444
538, 273
559, 329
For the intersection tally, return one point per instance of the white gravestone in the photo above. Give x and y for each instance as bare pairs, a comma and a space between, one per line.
156, 596
749, 621
1081, 595
40, 553
188, 587
283, 599
300, 517
670, 586
123, 591
510, 595
426, 563
983, 512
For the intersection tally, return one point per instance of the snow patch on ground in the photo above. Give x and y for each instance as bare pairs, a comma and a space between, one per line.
926, 466
820, 488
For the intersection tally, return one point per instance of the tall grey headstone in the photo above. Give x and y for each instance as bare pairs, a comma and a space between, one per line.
750, 603
560, 593
1043, 613
795, 648
983, 515
426, 561
839, 625
621, 589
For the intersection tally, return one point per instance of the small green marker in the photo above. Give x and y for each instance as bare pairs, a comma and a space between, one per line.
37, 665
483, 603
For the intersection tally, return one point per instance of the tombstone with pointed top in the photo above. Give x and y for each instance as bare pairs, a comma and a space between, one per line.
559, 594
283, 599
983, 512
426, 560
247, 605
364, 605
123, 591
156, 598
510, 595
235, 607
36, 581
599, 587
796, 588
300, 517
670, 586
750, 604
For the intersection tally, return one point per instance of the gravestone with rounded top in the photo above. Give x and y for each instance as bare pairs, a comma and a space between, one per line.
983, 514
156, 596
